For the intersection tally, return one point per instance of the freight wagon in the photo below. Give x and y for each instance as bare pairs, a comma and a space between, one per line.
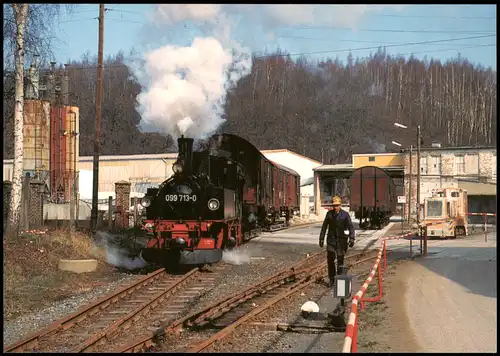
373, 197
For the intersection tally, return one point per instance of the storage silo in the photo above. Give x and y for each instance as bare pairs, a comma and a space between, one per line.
71, 133
36, 133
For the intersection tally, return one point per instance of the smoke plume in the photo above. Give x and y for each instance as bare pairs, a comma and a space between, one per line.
185, 88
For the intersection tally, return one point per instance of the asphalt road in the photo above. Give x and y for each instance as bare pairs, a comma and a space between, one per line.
451, 296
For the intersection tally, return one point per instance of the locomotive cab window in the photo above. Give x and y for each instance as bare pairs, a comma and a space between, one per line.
434, 208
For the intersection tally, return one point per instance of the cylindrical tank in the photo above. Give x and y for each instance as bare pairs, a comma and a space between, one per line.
71, 131
36, 133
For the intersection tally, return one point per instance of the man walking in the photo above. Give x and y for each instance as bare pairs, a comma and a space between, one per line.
339, 225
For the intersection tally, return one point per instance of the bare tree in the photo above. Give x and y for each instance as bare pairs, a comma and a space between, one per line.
20, 16
26, 27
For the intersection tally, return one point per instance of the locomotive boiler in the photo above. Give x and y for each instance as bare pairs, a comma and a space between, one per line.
215, 198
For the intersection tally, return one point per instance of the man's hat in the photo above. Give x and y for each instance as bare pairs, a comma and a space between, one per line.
336, 200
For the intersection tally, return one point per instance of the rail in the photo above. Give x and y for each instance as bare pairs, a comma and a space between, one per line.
46, 334
350, 339
286, 282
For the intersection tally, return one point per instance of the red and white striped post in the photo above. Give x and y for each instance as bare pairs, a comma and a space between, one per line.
351, 333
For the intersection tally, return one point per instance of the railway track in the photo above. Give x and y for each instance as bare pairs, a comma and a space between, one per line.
101, 321
220, 319
153, 304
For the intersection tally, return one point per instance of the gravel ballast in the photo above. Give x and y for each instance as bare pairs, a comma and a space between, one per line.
246, 265
23, 326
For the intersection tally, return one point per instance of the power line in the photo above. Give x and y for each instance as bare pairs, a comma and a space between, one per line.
438, 17
128, 21
77, 20
353, 41
342, 60
380, 15
329, 28
125, 11
343, 50
390, 45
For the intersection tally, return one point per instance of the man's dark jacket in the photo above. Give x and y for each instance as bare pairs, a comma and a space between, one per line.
336, 224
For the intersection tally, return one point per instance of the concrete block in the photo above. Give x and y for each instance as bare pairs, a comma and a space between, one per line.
78, 266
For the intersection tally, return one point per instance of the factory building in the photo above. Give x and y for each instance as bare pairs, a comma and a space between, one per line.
333, 180
470, 168
142, 171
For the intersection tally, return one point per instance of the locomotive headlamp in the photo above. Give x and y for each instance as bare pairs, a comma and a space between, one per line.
213, 204
177, 167
146, 201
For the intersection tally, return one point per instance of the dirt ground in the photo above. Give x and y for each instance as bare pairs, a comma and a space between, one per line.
384, 326
32, 280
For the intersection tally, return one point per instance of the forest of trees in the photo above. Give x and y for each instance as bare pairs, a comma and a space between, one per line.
327, 110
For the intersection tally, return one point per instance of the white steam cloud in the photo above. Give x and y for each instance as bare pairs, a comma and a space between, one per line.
116, 256
271, 15
242, 255
185, 88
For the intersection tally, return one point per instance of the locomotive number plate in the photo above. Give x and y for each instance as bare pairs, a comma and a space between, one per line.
181, 198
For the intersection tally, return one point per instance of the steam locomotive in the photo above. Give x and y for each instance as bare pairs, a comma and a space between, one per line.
215, 199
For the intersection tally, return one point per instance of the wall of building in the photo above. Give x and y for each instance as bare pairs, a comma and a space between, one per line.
137, 169
378, 160
440, 169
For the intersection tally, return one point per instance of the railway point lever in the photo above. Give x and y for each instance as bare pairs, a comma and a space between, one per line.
342, 289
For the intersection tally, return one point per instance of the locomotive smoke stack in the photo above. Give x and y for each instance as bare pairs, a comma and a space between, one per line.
186, 152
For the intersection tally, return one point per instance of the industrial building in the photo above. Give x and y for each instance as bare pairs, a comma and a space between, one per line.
147, 170
144, 171
470, 168
331, 180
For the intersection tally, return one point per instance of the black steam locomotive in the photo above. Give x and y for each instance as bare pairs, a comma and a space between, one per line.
215, 197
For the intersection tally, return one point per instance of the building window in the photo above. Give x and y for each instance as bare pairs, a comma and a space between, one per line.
423, 165
436, 164
371, 159
459, 165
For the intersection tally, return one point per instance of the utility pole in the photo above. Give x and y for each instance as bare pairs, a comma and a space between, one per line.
418, 175
95, 180
409, 185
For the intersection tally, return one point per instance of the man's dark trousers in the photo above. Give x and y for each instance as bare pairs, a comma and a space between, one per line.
333, 252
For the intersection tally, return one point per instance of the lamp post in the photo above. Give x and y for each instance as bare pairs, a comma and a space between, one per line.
411, 175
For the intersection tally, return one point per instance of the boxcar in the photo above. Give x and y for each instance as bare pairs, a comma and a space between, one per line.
373, 197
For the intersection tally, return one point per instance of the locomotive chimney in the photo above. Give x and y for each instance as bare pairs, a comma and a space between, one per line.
186, 152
